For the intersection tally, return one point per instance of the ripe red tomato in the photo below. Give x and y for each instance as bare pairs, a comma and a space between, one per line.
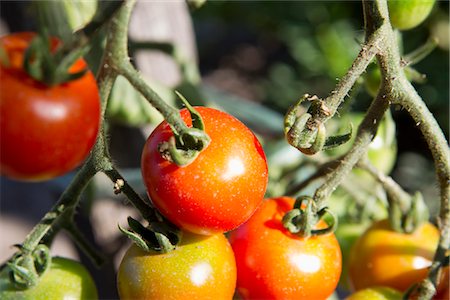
387, 258
272, 263
65, 279
201, 267
224, 185
44, 131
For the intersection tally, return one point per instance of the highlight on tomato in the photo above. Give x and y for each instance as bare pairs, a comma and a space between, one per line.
221, 188
200, 267
64, 279
273, 263
45, 131
383, 257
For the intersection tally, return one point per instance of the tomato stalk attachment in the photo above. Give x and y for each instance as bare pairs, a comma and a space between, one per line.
187, 143
25, 267
295, 123
158, 236
304, 217
49, 63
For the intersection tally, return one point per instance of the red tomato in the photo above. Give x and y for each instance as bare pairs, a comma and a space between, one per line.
387, 258
44, 131
272, 263
201, 267
224, 185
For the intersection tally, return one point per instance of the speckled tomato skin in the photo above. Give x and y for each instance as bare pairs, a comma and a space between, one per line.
383, 257
224, 185
272, 263
201, 267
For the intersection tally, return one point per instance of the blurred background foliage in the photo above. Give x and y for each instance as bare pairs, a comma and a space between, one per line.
255, 59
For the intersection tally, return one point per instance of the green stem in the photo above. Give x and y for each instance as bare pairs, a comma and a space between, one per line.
342, 89
366, 132
147, 211
170, 114
394, 191
67, 202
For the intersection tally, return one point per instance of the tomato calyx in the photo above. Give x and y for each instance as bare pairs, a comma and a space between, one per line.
25, 267
48, 66
408, 220
304, 217
296, 122
186, 143
160, 236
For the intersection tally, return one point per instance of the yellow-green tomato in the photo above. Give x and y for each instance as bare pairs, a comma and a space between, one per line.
407, 14
200, 267
65, 279
376, 293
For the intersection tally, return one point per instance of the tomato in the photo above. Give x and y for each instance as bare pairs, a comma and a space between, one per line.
64, 279
388, 258
272, 263
200, 267
44, 131
382, 150
224, 185
376, 293
347, 234
407, 14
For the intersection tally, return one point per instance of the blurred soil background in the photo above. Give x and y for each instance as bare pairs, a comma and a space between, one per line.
254, 59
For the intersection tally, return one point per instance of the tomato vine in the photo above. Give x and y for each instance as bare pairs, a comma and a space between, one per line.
305, 132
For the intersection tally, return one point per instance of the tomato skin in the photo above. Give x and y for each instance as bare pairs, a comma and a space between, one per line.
382, 257
45, 131
224, 185
272, 263
65, 279
201, 267
376, 293
407, 14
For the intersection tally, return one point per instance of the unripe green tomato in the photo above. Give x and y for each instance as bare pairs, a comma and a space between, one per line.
64, 279
382, 150
407, 14
372, 79
376, 293
347, 234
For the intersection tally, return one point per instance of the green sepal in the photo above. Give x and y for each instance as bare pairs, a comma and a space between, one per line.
337, 140
302, 219
42, 258
409, 221
197, 121
157, 236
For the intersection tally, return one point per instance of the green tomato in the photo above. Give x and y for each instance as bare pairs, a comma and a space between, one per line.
407, 14
347, 234
382, 151
372, 79
64, 279
376, 293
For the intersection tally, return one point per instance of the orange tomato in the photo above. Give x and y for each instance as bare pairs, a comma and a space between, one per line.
201, 267
273, 263
383, 257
